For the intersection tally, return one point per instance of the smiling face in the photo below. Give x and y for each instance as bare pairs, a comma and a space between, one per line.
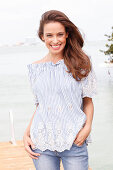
54, 36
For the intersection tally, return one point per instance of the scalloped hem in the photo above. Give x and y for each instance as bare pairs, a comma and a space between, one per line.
62, 147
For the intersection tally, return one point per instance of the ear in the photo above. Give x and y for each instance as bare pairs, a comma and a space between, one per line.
67, 34
42, 37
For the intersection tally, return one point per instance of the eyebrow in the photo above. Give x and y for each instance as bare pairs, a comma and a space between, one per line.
51, 33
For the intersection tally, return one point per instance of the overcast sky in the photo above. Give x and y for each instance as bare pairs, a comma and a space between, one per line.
19, 19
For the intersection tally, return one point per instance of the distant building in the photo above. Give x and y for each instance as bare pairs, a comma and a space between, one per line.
31, 40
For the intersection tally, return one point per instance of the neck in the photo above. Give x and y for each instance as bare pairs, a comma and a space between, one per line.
54, 57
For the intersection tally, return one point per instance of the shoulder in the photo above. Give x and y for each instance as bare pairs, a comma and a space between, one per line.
36, 66
39, 61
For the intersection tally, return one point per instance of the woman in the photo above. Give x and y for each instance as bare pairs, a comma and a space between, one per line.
63, 83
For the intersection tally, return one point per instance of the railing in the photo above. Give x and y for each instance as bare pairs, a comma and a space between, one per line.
13, 141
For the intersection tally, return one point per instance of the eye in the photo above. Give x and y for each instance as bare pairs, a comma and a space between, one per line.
60, 34
49, 35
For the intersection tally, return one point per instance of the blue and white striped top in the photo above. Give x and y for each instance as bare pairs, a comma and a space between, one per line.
59, 115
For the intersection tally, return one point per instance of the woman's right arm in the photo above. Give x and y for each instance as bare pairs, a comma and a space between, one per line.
27, 140
28, 127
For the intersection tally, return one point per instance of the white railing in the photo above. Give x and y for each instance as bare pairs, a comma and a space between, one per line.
13, 141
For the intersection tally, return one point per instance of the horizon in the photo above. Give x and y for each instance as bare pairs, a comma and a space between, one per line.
20, 19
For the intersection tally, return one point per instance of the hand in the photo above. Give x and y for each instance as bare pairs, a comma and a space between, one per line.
27, 143
82, 135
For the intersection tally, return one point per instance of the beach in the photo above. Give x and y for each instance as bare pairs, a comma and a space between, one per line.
16, 96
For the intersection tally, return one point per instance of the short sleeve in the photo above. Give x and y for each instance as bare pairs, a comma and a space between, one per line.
32, 77
89, 84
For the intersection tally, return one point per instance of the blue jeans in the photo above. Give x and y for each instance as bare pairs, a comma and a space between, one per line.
74, 159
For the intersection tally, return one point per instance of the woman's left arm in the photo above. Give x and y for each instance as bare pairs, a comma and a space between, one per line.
88, 109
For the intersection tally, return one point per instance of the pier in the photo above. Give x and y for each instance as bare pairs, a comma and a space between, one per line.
14, 157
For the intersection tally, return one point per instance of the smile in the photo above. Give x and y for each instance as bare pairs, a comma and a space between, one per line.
55, 47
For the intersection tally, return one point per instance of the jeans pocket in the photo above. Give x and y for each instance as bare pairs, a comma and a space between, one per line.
74, 144
36, 150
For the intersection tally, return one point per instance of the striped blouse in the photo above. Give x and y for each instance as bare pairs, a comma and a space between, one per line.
59, 115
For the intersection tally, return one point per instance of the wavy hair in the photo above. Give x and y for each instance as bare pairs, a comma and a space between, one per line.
77, 62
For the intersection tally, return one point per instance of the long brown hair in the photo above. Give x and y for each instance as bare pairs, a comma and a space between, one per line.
77, 62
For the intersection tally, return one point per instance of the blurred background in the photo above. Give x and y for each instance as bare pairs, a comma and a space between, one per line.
19, 46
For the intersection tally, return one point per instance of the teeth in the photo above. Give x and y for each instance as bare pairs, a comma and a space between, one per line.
55, 46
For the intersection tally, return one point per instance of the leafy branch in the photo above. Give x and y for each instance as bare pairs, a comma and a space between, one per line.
109, 51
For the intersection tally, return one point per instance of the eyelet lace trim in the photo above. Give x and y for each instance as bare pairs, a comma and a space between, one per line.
53, 137
89, 85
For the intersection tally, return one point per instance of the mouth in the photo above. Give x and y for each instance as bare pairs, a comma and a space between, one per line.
56, 47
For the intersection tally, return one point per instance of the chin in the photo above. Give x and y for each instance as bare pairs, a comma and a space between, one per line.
56, 52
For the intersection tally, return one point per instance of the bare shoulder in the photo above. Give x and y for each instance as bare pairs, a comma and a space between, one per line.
39, 61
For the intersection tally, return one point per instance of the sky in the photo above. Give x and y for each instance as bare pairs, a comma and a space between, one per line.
19, 19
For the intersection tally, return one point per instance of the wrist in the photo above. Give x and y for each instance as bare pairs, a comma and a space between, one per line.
88, 126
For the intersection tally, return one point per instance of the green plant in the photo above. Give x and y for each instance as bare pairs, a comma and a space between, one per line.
109, 51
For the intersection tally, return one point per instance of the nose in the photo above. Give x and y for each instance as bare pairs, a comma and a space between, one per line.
55, 39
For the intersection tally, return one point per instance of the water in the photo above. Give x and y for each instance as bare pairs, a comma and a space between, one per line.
16, 95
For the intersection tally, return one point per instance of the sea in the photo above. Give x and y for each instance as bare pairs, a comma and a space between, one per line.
16, 97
